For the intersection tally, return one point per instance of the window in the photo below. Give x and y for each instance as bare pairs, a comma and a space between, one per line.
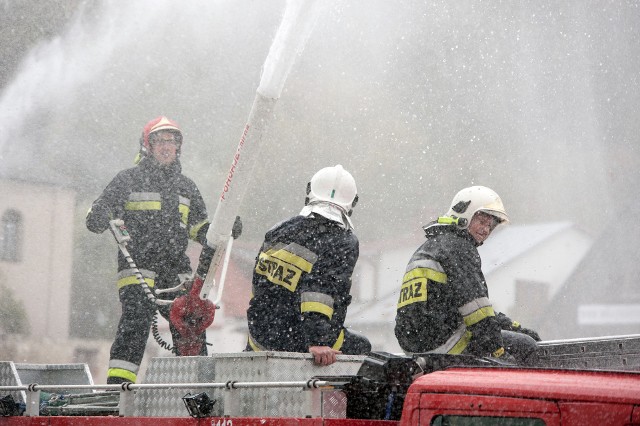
489, 421
11, 236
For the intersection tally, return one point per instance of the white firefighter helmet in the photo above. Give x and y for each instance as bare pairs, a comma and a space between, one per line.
475, 199
333, 185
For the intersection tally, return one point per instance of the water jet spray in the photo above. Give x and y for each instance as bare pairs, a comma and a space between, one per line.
295, 28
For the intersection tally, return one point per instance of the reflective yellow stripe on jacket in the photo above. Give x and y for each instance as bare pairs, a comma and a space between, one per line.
414, 285
476, 310
316, 302
143, 201
284, 265
255, 345
338, 344
456, 343
183, 207
193, 232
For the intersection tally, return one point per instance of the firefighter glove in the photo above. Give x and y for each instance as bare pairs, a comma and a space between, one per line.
530, 333
236, 230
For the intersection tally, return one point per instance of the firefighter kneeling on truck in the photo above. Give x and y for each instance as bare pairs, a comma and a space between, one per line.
444, 305
302, 276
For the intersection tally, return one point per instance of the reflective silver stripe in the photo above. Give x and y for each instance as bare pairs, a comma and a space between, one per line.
302, 252
477, 310
145, 196
425, 263
125, 365
274, 247
184, 200
296, 249
474, 305
311, 296
316, 302
129, 272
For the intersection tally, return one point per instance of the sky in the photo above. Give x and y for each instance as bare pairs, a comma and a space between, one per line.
416, 99
537, 100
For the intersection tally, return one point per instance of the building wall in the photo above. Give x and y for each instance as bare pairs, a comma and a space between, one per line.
601, 297
547, 266
41, 278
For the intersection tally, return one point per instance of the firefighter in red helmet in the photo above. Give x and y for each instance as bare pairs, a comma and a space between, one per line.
162, 209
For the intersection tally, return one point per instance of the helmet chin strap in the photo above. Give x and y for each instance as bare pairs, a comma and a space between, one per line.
330, 211
453, 220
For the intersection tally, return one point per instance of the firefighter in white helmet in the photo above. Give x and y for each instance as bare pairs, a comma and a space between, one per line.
302, 276
444, 305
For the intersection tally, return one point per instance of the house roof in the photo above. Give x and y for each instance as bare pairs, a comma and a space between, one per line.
512, 241
504, 246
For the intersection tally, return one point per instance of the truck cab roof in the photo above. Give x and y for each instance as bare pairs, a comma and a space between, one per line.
548, 384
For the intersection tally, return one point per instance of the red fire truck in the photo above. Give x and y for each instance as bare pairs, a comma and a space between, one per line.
580, 382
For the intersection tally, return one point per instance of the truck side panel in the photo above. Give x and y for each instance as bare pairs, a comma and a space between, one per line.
263, 421
590, 413
187, 421
356, 422
635, 416
102, 421
294, 421
411, 410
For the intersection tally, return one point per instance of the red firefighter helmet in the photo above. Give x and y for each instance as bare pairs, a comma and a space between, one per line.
155, 125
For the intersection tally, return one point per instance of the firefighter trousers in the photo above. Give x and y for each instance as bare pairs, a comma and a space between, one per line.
133, 331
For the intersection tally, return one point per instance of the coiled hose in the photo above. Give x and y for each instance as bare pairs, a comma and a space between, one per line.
158, 338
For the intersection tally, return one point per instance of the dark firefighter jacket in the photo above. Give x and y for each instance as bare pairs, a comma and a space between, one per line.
162, 209
444, 303
301, 285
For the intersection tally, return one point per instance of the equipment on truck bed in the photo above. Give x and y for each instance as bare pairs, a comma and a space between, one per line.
269, 388
378, 390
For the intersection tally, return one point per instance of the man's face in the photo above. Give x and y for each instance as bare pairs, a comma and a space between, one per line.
481, 226
164, 147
